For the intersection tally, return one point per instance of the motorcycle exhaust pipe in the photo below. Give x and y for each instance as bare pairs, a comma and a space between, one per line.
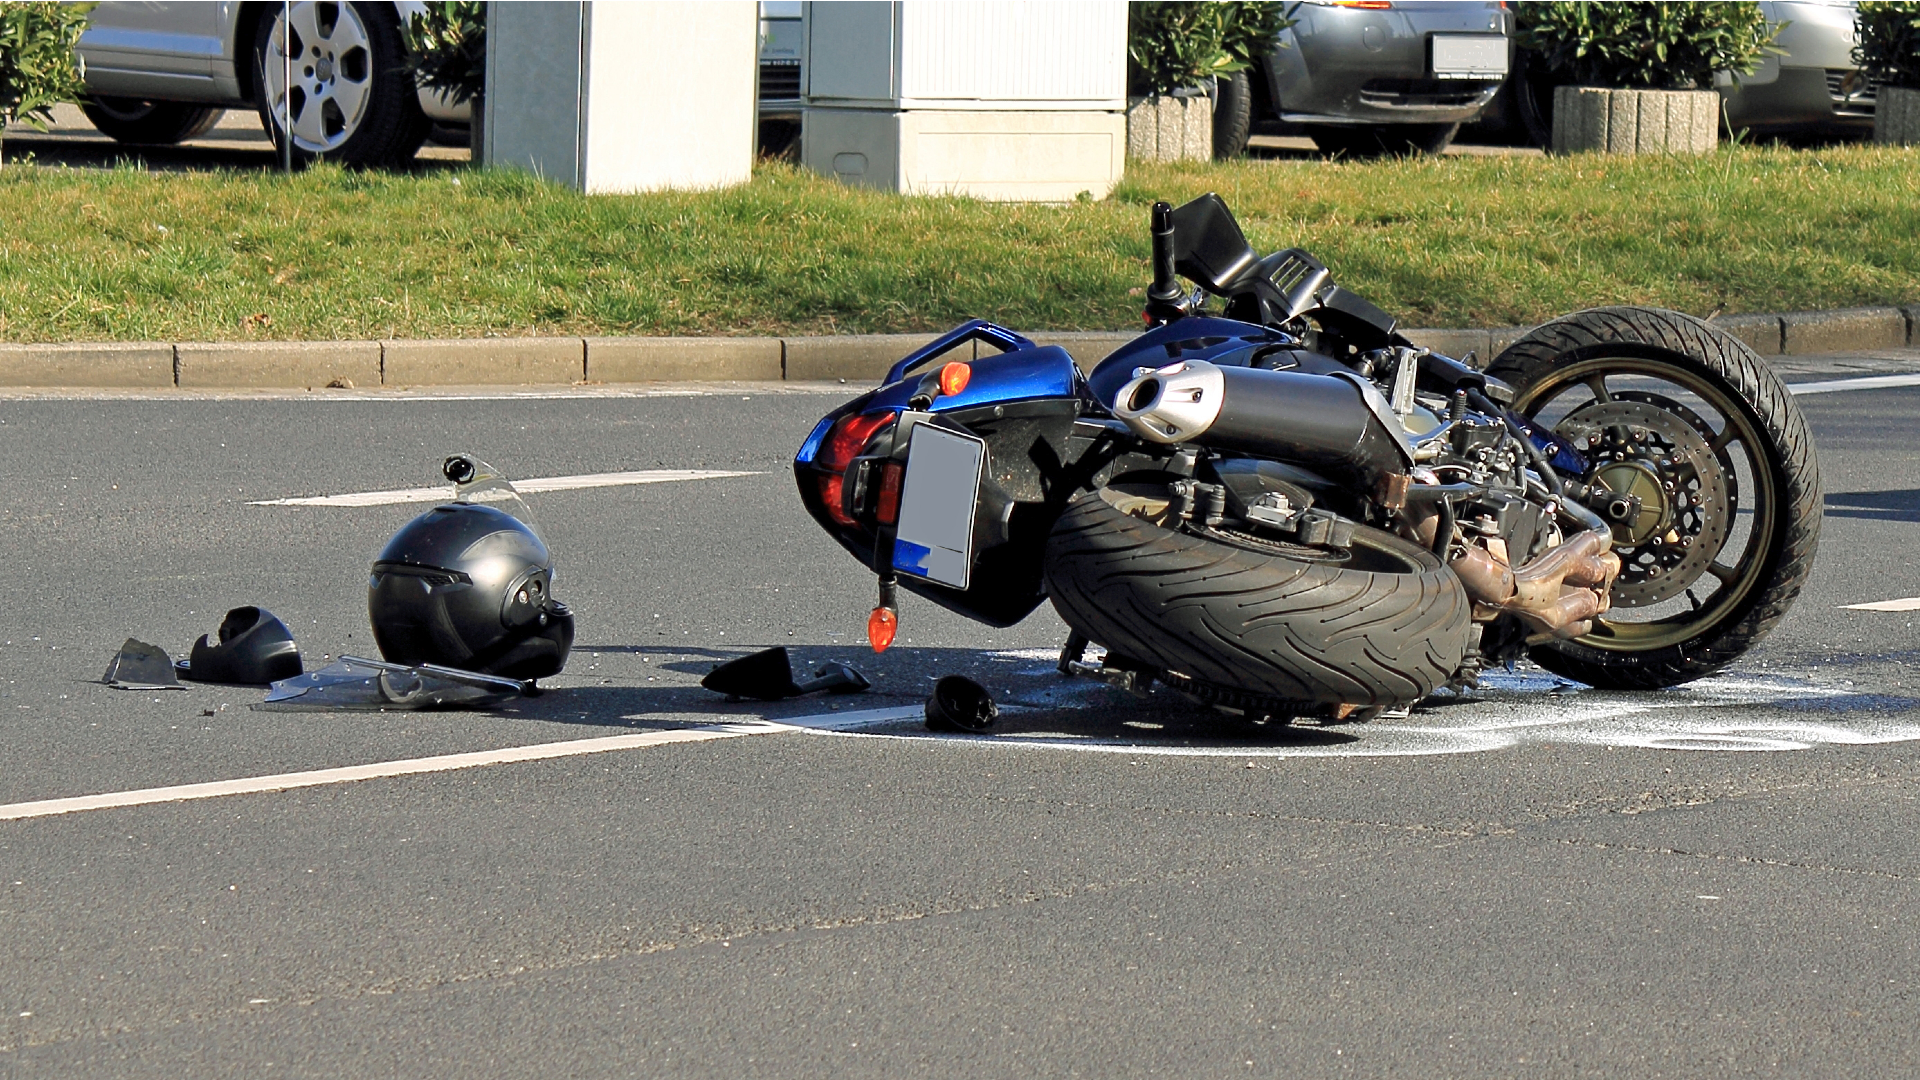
1337, 422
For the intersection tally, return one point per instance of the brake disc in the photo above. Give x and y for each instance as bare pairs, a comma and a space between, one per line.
1660, 487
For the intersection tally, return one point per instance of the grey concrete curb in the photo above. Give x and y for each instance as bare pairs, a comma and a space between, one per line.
850, 358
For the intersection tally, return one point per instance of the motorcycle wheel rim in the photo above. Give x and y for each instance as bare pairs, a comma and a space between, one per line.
1736, 583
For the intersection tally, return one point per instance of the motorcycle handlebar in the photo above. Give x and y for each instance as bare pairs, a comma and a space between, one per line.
1165, 288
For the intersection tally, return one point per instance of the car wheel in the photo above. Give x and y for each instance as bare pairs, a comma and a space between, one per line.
1232, 115
1533, 85
151, 123
1382, 140
351, 99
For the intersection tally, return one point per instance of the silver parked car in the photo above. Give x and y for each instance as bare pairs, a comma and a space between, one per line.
164, 72
1366, 77
1814, 90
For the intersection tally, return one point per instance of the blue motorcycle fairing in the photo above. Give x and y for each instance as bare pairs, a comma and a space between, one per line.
1197, 337
1036, 372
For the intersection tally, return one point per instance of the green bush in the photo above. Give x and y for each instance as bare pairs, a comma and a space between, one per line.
1176, 45
448, 43
1642, 44
1889, 42
38, 66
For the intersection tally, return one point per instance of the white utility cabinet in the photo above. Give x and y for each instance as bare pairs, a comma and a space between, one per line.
622, 97
995, 99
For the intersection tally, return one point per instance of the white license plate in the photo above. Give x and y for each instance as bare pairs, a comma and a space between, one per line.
1469, 56
934, 539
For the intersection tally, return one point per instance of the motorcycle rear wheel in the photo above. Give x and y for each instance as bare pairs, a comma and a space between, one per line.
1755, 523
1384, 624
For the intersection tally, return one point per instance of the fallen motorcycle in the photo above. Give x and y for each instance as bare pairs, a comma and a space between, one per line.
1288, 510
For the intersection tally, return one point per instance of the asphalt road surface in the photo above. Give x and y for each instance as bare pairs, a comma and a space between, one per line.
1540, 880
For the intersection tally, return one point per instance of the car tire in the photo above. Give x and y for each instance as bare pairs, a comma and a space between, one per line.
1532, 86
1382, 140
1232, 115
1386, 627
151, 123
354, 102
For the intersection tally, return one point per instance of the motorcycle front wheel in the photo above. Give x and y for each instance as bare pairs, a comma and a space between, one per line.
1703, 468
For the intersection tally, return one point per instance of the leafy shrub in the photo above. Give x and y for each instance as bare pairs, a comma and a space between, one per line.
1889, 42
38, 67
448, 43
1644, 44
1178, 45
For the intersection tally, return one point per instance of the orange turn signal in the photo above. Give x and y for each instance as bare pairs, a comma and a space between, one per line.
954, 378
881, 626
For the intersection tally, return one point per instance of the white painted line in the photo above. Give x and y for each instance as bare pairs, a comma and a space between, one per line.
1911, 603
406, 767
547, 483
1871, 382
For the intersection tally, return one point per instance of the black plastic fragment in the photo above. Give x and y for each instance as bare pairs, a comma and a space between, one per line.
254, 649
140, 666
768, 676
960, 704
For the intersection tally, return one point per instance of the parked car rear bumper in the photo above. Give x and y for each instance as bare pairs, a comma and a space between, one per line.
1342, 65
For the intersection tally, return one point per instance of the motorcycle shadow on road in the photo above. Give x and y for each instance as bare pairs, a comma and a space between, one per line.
1036, 702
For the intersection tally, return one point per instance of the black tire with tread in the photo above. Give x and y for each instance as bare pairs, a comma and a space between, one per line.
394, 126
1308, 632
1232, 115
151, 123
1690, 343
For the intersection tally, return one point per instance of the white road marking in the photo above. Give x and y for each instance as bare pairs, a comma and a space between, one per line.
1911, 603
352, 773
547, 483
831, 721
1871, 382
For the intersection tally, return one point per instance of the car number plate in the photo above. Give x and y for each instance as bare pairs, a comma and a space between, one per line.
934, 539
1469, 56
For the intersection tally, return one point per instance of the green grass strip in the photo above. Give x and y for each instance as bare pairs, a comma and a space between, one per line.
126, 254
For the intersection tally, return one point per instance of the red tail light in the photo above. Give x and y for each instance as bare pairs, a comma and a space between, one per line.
849, 436
890, 477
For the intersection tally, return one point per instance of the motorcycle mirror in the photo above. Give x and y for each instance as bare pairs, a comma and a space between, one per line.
764, 676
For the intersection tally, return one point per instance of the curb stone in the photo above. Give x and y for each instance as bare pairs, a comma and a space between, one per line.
278, 364
114, 364
849, 358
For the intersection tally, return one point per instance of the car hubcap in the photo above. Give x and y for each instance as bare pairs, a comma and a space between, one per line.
332, 74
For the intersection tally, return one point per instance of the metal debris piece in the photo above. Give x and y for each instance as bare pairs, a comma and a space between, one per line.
356, 684
768, 676
960, 704
140, 666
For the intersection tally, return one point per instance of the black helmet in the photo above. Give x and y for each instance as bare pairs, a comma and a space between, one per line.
471, 587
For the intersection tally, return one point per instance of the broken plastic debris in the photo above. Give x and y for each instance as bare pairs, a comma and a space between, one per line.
959, 703
768, 676
254, 649
355, 683
140, 666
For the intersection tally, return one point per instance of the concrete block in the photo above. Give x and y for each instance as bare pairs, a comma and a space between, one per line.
1087, 347
1896, 116
1760, 332
485, 361
1163, 127
1588, 118
1454, 343
1847, 330
112, 364
1013, 156
641, 359
310, 364
855, 358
